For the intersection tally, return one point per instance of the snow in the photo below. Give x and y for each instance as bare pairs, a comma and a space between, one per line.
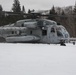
37, 59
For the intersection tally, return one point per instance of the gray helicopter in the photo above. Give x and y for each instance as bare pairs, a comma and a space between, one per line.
35, 31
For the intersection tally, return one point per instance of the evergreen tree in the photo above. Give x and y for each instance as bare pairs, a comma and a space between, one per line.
33, 10
52, 14
16, 6
52, 11
1, 8
23, 9
29, 11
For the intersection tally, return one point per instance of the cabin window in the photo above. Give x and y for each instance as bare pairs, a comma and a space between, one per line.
40, 23
53, 30
30, 32
12, 32
44, 32
22, 25
18, 32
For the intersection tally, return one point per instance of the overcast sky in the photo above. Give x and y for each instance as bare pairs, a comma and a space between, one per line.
37, 4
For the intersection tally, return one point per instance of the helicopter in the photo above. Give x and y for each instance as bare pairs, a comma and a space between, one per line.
35, 31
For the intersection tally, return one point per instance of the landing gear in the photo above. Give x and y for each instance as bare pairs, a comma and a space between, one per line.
73, 43
62, 43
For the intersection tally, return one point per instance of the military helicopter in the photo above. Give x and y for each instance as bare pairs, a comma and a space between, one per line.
35, 31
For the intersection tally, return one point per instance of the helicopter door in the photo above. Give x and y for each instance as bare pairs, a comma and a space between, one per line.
44, 35
52, 38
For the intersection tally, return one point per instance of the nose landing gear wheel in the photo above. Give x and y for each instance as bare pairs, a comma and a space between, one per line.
62, 43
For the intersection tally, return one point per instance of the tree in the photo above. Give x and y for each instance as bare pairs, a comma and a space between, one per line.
33, 10
16, 6
1, 8
29, 11
52, 11
58, 10
52, 14
74, 18
23, 9
74, 8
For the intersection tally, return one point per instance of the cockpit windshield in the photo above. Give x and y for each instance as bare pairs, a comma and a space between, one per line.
61, 28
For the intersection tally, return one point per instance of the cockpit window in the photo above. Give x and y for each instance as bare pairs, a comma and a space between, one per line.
61, 29
58, 28
59, 33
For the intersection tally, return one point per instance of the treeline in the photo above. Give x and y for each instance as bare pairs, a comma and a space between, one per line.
16, 7
12, 16
65, 16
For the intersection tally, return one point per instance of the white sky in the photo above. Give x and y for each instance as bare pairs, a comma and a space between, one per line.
37, 4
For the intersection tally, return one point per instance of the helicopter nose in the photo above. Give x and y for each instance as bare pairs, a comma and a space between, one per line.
66, 37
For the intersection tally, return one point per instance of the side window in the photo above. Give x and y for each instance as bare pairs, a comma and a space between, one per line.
53, 30
18, 32
22, 25
31, 32
12, 32
44, 32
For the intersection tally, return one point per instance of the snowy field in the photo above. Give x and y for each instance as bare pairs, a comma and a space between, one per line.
37, 59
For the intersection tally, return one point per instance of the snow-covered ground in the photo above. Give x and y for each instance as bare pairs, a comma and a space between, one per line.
37, 59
